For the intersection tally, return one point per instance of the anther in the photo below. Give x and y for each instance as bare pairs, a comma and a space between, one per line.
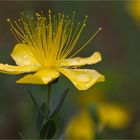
8, 19
100, 28
37, 14
49, 11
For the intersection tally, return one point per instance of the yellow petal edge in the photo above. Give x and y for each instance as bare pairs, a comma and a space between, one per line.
9, 69
78, 61
41, 77
82, 78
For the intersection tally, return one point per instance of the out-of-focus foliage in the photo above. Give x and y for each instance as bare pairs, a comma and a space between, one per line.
102, 114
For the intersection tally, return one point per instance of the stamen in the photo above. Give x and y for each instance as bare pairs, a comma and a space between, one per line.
71, 46
50, 39
87, 42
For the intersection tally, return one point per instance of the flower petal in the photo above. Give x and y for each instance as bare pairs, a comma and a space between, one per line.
78, 61
22, 55
41, 77
82, 78
9, 69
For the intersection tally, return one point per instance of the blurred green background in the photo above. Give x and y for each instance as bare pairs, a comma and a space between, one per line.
119, 44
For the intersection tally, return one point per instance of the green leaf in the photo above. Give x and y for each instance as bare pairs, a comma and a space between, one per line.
48, 130
41, 117
35, 102
58, 105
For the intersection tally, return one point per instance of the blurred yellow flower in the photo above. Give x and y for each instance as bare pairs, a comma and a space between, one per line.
113, 115
45, 47
134, 9
90, 96
80, 127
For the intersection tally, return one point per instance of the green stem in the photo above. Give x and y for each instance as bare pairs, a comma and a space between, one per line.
48, 99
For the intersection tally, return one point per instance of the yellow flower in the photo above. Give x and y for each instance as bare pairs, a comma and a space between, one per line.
134, 10
80, 127
113, 115
45, 47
